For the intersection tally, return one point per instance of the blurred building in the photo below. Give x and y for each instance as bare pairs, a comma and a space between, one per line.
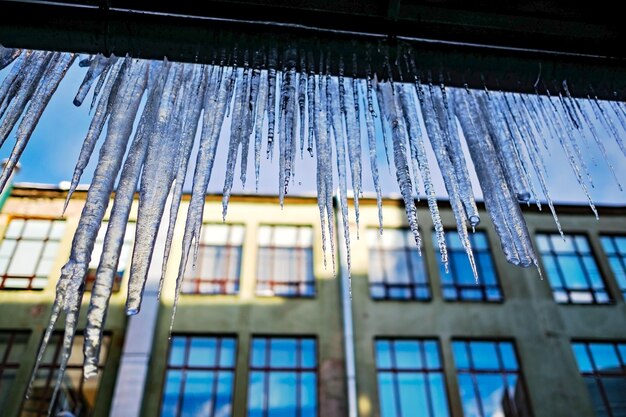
263, 329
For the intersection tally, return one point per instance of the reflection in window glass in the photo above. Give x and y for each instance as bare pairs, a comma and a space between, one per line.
12, 345
615, 249
285, 261
283, 377
603, 367
410, 378
28, 252
200, 377
490, 381
396, 270
219, 261
124, 259
458, 283
77, 394
572, 269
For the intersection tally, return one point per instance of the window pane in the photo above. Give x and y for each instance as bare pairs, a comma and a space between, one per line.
197, 382
490, 383
28, 251
615, 248
459, 283
572, 271
396, 269
218, 264
407, 386
285, 261
12, 346
287, 384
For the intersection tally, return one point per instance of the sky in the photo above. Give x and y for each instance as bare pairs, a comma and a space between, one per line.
54, 147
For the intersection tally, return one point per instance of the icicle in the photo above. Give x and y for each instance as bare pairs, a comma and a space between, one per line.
382, 126
271, 100
13, 79
211, 128
371, 140
48, 84
287, 121
353, 132
607, 124
156, 181
110, 65
453, 145
501, 205
70, 287
310, 91
105, 104
237, 133
14, 108
255, 83
262, 101
447, 171
98, 65
570, 157
118, 221
8, 55
334, 114
302, 93
418, 155
192, 109
393, 115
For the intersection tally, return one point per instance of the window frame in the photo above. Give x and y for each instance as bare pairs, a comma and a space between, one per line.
30, 279
412, 286
482, 287
612, 235
500, 370
426, 371
266, 369
271, 283
588, 237
189, 335
595, 374
222, 282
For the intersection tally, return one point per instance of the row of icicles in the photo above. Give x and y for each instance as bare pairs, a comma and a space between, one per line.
328, 117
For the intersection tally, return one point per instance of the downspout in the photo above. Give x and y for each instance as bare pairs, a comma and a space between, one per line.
346, 309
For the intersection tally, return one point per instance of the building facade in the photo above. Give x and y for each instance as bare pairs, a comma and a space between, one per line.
261, 323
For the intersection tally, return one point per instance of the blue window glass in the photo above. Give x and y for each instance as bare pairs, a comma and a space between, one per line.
396, 270
615, 249
603, 368
285, 266
571, 269
200, 377
490, 381
283, 377
458, 283
410, 378
218, 264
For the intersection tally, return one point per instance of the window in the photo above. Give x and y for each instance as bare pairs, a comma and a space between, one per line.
410, 378
219, 261
603, 367
459, 284
283, 377
397, 271
127, 250
28, 251
571, 269
615, 248
285, 266
490, 382
12, 346
77, 395
200, 377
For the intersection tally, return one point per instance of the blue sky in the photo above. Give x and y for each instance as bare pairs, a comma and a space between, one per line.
53, 149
